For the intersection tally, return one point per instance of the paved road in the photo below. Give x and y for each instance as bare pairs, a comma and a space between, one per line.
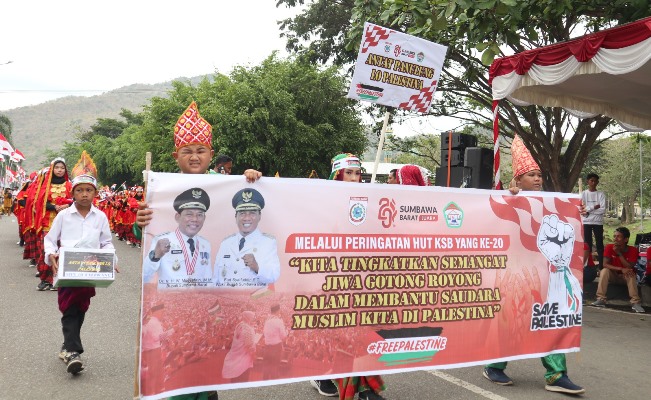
614, 361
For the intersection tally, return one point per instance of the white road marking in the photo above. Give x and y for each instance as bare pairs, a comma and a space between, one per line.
467, 385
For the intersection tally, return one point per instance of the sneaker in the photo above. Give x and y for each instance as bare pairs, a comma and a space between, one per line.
369, 395
599, 303
52, 288
564, 385
74, 363
42, 286
63, 354
32, 263
638, 308
128, 243
497, 375
325, 387
37, 275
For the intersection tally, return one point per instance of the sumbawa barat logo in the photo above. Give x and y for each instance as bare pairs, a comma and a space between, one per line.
387, 213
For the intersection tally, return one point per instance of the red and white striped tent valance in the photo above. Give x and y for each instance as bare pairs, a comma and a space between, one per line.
604, 73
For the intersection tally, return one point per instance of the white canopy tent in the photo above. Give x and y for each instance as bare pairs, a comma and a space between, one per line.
604, 73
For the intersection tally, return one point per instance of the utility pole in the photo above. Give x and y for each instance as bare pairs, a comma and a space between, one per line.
641, 209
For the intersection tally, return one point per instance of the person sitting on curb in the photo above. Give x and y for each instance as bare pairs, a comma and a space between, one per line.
619, 260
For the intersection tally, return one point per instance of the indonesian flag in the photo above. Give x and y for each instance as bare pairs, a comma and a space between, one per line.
5, 147
10, 176
17, 156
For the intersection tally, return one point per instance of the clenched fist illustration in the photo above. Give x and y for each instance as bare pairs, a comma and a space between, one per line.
556, 240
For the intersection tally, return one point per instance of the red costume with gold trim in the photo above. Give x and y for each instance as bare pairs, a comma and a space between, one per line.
54, 191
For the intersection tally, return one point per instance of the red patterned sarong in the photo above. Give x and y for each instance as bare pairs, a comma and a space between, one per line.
351, 385
30, 249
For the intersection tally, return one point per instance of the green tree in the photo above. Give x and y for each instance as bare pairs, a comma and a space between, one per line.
107, 127
119, 157
476, 32
620, 174
6, 127
284, 116
423, 150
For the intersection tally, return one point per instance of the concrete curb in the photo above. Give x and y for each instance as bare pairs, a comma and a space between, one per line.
617, 294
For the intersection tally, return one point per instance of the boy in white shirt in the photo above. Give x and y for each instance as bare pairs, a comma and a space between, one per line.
593, 218
81, 225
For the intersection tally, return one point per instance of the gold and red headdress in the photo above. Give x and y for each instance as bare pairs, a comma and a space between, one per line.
84, 171
521, 158
191, 128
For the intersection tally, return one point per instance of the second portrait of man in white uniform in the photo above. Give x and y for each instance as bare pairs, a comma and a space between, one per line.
248, 258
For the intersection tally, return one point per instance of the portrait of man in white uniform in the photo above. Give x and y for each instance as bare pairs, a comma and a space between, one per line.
248, 258
181, 258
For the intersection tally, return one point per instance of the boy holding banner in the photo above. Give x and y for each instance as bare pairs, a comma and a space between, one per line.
527, 176
193, 154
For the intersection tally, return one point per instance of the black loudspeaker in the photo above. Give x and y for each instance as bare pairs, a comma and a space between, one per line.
642, 238
459, 177
456, 158
480, 162
453, 146
459, 140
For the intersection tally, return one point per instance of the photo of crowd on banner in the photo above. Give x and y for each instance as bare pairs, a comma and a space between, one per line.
205, 337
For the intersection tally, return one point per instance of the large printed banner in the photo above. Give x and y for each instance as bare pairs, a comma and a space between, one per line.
332, 279
395, 69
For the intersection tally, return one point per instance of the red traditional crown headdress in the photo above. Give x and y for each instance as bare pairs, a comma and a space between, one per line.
191, 128
522, 161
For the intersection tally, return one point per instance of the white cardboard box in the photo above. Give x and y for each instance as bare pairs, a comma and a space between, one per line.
85, 267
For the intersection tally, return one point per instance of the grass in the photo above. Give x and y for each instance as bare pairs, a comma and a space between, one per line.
610, 224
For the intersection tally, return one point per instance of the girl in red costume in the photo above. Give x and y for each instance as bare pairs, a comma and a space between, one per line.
19, 209
30, 252
412, 175
53, 196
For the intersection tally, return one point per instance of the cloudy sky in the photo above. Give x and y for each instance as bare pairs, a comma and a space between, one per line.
75, 47
50, 49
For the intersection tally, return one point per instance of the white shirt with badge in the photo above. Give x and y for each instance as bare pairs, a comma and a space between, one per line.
178, 268
230, 270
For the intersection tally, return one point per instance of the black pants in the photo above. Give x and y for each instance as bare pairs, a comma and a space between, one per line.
71, 322
598, 231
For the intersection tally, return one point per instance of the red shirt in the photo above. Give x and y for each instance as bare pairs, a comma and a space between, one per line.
590, 259
630, 255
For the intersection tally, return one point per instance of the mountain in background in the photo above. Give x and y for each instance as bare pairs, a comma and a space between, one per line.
48, 125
